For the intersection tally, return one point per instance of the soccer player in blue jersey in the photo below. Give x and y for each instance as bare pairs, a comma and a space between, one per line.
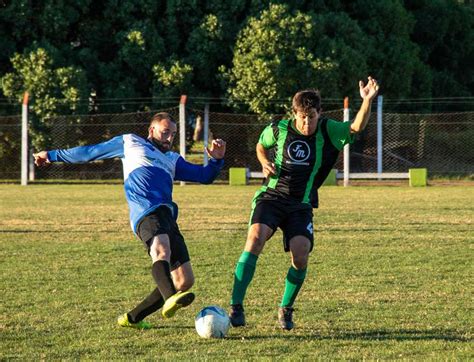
296, 156
149, 168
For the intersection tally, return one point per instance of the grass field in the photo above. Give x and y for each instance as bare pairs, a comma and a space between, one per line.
391, 276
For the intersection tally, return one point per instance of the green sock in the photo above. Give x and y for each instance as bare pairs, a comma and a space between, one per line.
243, 276
293, 283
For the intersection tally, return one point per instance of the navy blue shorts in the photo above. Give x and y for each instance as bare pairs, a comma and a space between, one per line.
291, 218
161, 221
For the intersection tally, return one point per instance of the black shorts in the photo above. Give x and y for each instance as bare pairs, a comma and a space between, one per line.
161, 221
293, 219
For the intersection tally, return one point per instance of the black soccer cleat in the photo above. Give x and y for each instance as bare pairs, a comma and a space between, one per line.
285, 317
237, 315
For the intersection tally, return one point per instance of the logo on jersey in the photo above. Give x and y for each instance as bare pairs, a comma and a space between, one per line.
310, 227
298, 151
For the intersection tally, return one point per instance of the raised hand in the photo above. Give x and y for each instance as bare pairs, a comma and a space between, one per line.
370, 90
217, 150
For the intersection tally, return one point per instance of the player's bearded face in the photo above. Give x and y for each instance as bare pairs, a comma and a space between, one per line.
162, 134
306, 121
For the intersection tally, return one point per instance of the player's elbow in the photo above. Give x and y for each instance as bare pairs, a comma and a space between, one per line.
356, 128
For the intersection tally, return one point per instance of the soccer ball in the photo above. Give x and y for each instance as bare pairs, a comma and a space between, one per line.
212, 322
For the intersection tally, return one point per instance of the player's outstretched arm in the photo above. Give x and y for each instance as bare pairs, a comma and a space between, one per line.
367, 93
109, 149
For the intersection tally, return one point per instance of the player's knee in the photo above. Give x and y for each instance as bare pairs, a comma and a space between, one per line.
300, 262
300, 248
159, 253
160, 248
256, 240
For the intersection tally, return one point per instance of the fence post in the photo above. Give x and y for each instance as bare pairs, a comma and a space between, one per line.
379, 137
182, 129
206, 133
24, 140
346, 147
31, 168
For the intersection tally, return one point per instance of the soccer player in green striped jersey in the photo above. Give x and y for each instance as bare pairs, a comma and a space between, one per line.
296, 156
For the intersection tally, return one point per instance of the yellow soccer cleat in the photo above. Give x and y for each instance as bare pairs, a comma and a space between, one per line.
124, 322
175, 302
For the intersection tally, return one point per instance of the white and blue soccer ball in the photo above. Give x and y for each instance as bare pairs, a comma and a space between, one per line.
212, 322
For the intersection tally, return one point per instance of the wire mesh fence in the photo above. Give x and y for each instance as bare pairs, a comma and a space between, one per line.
442, 143
10, 147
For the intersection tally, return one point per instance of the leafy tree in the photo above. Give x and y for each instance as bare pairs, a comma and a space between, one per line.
206, 49
391, 55
118, 43
210, 45
180, 17
53, 90
281, 53
271, 60
173, 80
444, 31
339, 37
255, 51
129, 74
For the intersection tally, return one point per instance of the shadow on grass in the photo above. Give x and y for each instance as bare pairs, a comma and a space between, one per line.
376, 335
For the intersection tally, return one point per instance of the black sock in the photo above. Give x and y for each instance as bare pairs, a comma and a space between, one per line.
148, 306
162, 275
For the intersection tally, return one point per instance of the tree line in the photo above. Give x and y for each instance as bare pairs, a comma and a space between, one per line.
80, 56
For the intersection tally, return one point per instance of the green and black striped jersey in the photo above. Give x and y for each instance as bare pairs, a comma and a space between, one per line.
302, 162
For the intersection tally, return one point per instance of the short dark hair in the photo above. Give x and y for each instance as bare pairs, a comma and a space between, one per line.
158, 117
306, 99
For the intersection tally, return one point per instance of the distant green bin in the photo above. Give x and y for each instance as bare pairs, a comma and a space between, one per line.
418, 176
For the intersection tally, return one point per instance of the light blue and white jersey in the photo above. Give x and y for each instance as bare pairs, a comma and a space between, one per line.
148, 173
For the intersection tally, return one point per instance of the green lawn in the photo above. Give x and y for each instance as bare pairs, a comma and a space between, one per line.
391, 276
